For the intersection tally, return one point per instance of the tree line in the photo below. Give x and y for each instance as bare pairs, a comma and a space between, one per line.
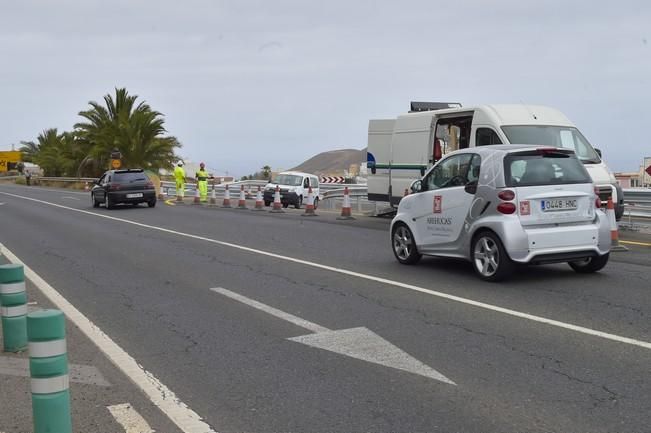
121, 123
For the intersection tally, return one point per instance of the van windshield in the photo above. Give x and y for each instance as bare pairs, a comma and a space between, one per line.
288, 179
557, 136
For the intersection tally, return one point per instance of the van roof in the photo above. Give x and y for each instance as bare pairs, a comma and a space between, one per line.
298, 173
507, 114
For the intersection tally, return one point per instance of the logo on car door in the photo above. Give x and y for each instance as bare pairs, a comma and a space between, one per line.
437, 203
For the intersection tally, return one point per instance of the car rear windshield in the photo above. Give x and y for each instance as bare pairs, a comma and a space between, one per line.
543, 167
130, 177
556, 136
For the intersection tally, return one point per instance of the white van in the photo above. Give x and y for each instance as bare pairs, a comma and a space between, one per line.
294, 187
401, 150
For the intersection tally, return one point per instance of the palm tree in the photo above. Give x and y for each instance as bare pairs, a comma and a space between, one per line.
135, 129
56, 153
266, 171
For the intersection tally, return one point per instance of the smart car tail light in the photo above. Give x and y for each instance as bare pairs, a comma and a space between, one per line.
506, 207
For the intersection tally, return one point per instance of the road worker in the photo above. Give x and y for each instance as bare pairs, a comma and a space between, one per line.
202, 182
179, 176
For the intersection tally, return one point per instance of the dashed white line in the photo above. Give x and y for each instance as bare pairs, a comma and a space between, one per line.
160, 395
129, 418
459, 299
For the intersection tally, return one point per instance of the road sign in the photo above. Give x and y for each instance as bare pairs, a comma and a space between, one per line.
116, 163
648, 170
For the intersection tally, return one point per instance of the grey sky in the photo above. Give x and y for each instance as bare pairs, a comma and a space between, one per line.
248, 83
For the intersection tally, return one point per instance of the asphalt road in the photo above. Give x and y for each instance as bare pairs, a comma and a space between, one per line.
147, 285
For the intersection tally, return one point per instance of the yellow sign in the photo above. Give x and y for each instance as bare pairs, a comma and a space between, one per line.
116, 163
9, 160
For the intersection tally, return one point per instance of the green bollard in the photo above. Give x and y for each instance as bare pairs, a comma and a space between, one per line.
48, 365
13, 307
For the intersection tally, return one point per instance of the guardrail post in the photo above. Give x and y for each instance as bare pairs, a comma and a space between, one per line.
13, 301
48, 366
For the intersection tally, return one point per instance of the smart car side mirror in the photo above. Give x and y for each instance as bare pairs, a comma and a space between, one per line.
416, 186
471, 188
598, 152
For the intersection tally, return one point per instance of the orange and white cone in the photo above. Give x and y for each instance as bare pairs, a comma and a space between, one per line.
241, 203
277, 207
309, 207
213, 196
346, 211
259, 203
614, 232
227, 198
197, 196
86, 187
406, 192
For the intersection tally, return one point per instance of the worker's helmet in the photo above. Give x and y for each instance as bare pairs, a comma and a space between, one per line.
202, 165
180, 163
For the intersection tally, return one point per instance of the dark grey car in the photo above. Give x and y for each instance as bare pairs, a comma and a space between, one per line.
131, 186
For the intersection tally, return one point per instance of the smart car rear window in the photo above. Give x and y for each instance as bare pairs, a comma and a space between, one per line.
543, 168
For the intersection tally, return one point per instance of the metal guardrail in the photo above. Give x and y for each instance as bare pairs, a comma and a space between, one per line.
637, 200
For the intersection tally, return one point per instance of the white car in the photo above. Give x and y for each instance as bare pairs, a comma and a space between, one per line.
501, 205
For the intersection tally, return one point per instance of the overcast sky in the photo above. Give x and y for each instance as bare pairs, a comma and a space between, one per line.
248, 83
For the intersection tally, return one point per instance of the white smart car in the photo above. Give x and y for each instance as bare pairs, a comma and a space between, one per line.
501, 205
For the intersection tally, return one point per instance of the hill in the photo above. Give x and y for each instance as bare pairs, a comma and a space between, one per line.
333, 162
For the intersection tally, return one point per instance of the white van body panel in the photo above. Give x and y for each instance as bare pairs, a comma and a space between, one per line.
412, 144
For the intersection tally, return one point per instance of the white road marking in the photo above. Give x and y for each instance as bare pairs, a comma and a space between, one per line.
362, 343
271, 310
55, 190
359, 343
462, 300
129, 418
160, 395
70, 198
85, 374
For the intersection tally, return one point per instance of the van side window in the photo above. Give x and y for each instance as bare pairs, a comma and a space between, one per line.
306, 182
486, 137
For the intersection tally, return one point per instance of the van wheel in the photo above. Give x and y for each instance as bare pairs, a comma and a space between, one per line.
590, 265
316, 202
299, 203
489, 258
285, 205
404, 245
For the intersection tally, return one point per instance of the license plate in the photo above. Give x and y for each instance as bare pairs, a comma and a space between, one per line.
137, 195
558, 204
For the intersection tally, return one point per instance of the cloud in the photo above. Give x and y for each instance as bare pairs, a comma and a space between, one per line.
243, 84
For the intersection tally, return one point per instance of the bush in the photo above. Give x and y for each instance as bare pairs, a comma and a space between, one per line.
21, 180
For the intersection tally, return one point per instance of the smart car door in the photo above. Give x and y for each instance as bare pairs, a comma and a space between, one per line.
444, 203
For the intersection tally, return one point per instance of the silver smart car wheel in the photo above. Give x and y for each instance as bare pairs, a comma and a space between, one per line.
489, 258
404, 246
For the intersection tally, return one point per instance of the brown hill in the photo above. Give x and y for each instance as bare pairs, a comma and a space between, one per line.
333, 162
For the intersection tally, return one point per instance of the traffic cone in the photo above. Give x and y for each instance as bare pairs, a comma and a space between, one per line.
614, 232
259, 203
346, 211
309, 207
213, 196
277, 207
406, 192
86, 187
197, 197
241, 204
227, 197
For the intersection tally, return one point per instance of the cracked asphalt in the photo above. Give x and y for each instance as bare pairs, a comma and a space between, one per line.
149, 291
